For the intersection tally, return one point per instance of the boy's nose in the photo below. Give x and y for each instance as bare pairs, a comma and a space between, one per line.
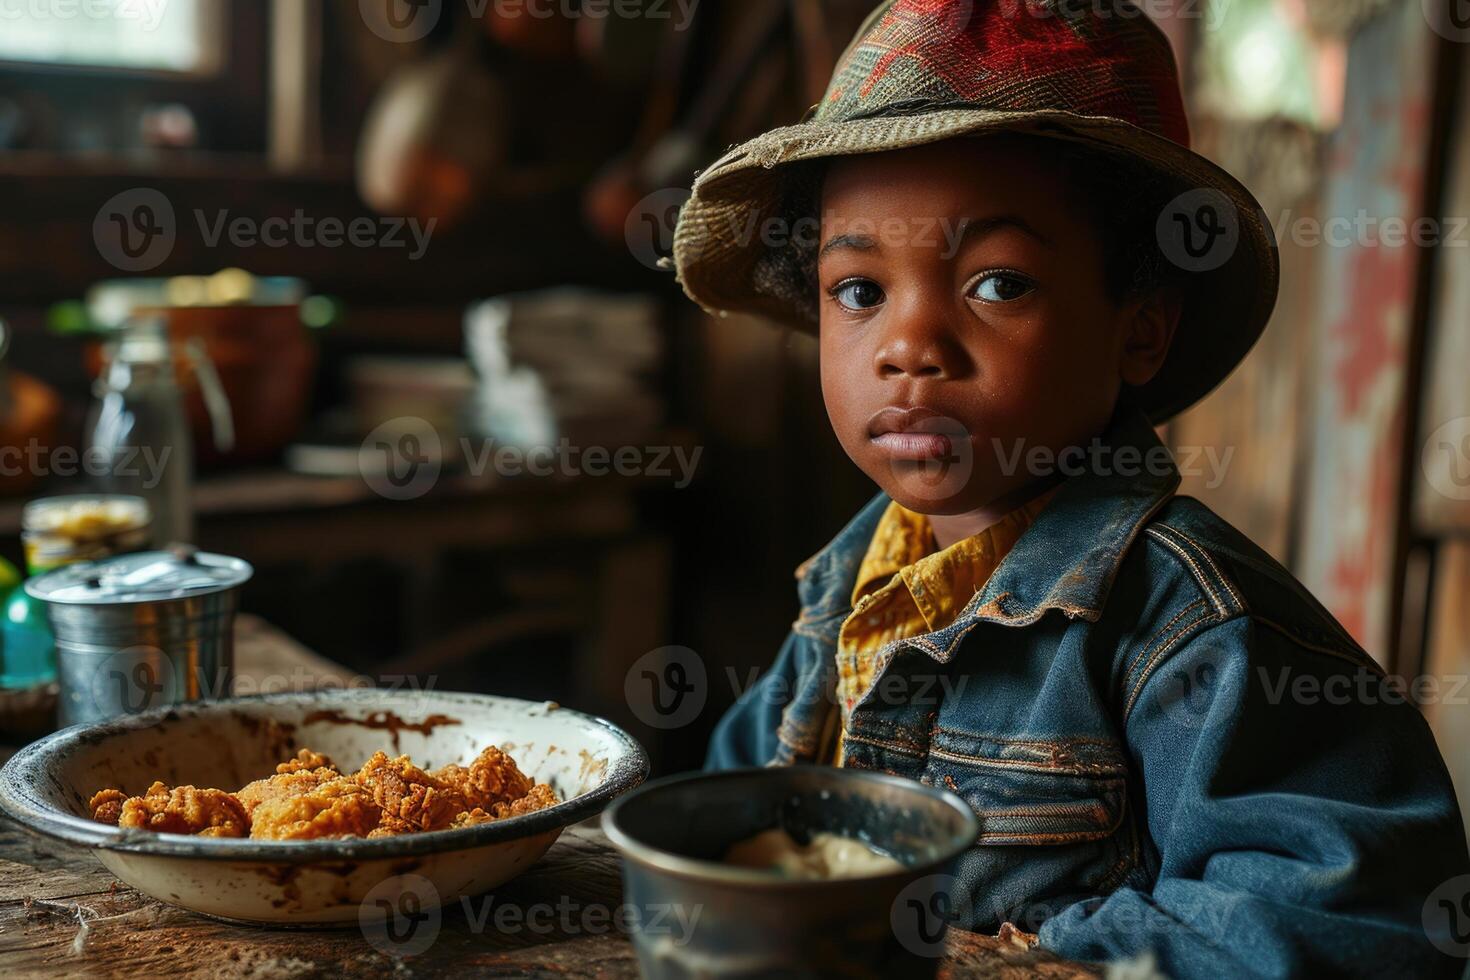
917, 348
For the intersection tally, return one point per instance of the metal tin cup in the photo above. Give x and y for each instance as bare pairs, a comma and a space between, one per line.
691, 914
143, 630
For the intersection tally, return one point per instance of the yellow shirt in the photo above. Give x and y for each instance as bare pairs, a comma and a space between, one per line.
905, 589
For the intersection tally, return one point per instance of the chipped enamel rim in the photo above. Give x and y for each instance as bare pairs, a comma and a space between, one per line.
627, 767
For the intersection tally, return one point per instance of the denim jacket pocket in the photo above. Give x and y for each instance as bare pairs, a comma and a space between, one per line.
1053, 813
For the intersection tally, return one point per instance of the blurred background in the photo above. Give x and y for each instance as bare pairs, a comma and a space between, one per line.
419, 225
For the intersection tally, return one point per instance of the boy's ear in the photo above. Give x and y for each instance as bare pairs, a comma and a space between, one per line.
1149, 325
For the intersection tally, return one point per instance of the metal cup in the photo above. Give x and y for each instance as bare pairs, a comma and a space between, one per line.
141, 631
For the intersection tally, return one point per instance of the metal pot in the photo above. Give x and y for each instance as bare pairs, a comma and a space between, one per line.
699, 917
142, 630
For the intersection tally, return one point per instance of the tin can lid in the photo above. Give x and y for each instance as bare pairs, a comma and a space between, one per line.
149, 576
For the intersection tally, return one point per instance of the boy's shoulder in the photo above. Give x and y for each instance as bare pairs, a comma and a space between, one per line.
1208, 565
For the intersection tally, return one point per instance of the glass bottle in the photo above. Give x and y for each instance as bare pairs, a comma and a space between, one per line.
139, 433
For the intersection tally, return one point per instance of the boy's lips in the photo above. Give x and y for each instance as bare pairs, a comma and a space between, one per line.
916, 433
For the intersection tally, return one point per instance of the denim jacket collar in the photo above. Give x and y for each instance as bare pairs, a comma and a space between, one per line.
1068, 558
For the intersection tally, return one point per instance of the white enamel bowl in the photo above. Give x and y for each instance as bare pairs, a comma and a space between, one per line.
225, 744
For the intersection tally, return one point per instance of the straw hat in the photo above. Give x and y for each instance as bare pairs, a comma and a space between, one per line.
1097, 73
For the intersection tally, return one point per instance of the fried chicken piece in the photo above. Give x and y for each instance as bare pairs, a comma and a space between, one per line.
411, 799
186, 810
304, 759
283, 786
539, 797
471, 818
335, 807
309, 798
106, 805
491, 779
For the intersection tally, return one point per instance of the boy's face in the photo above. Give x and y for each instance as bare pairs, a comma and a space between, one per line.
966, 321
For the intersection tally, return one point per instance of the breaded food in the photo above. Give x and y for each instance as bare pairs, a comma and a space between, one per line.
184, 810
308, 798
538, 797
492, 778
304, 759
284, 786
106, 805
411, 799
339, 807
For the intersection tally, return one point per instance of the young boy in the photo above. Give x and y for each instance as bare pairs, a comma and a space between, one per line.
1021, 270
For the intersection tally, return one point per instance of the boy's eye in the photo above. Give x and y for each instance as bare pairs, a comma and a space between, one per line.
1002, 287
858, 294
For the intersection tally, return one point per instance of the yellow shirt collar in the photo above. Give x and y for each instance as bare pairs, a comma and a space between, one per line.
943, 582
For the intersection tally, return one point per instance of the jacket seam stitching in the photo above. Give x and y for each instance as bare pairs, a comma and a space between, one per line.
879, 743
1085, 770
1159, 637
1066, 810
1209, 559
1199, 576
1161, 654
1080, 740
1325, 651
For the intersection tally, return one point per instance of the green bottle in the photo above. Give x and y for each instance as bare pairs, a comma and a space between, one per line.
26, 658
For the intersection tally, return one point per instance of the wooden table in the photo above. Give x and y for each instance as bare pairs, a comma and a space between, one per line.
61, 913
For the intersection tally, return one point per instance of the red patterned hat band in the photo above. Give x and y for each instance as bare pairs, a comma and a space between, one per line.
1088, 57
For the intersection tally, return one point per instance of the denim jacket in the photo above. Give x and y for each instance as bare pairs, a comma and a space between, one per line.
1171, 746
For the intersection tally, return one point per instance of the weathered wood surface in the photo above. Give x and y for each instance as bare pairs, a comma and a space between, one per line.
1442, 491
62, 914
1376, 168
1448, 661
